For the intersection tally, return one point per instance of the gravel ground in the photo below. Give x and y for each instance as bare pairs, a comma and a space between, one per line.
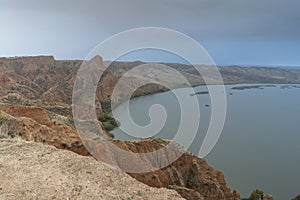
35, 171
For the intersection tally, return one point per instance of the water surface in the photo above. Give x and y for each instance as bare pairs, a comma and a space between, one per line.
260, 143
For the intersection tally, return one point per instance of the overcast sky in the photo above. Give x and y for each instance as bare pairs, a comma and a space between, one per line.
249, 32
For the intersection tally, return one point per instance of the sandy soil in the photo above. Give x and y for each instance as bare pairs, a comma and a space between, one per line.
35, 171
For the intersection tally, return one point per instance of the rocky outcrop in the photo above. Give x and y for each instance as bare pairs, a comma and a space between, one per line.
190, 176
34, 124
31, 77
37, 114
37, 97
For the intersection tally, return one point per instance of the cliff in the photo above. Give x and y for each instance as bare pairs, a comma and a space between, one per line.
44, 81
190, 176
35, 105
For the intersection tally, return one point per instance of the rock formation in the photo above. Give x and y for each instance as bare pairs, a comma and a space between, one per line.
190, 176
35, 104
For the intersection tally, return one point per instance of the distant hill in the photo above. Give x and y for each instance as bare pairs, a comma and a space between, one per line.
44, 81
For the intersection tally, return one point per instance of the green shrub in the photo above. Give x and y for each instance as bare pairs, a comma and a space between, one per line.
256, 195
106, 106
108, 126
108, 122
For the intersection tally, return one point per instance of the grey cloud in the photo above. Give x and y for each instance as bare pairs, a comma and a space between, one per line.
76, 26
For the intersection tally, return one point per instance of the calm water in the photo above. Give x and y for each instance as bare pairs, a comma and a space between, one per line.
260, 143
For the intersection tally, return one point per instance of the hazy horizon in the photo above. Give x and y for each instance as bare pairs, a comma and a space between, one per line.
233, 32
179, 61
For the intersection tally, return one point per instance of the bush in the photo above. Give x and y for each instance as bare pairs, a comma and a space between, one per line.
256, 195
106, 106
108, 122
108, 126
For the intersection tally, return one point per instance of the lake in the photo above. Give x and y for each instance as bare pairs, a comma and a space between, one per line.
260, 143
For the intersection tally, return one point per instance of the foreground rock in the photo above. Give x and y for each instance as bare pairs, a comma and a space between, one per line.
35, 171
190, 176
34, 124
35, 105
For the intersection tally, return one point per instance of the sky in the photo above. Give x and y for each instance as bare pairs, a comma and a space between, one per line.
234, 32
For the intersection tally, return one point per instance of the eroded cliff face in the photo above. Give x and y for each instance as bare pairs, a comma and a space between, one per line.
42, 81
33, 77
190, 176
36, 101
34, 124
